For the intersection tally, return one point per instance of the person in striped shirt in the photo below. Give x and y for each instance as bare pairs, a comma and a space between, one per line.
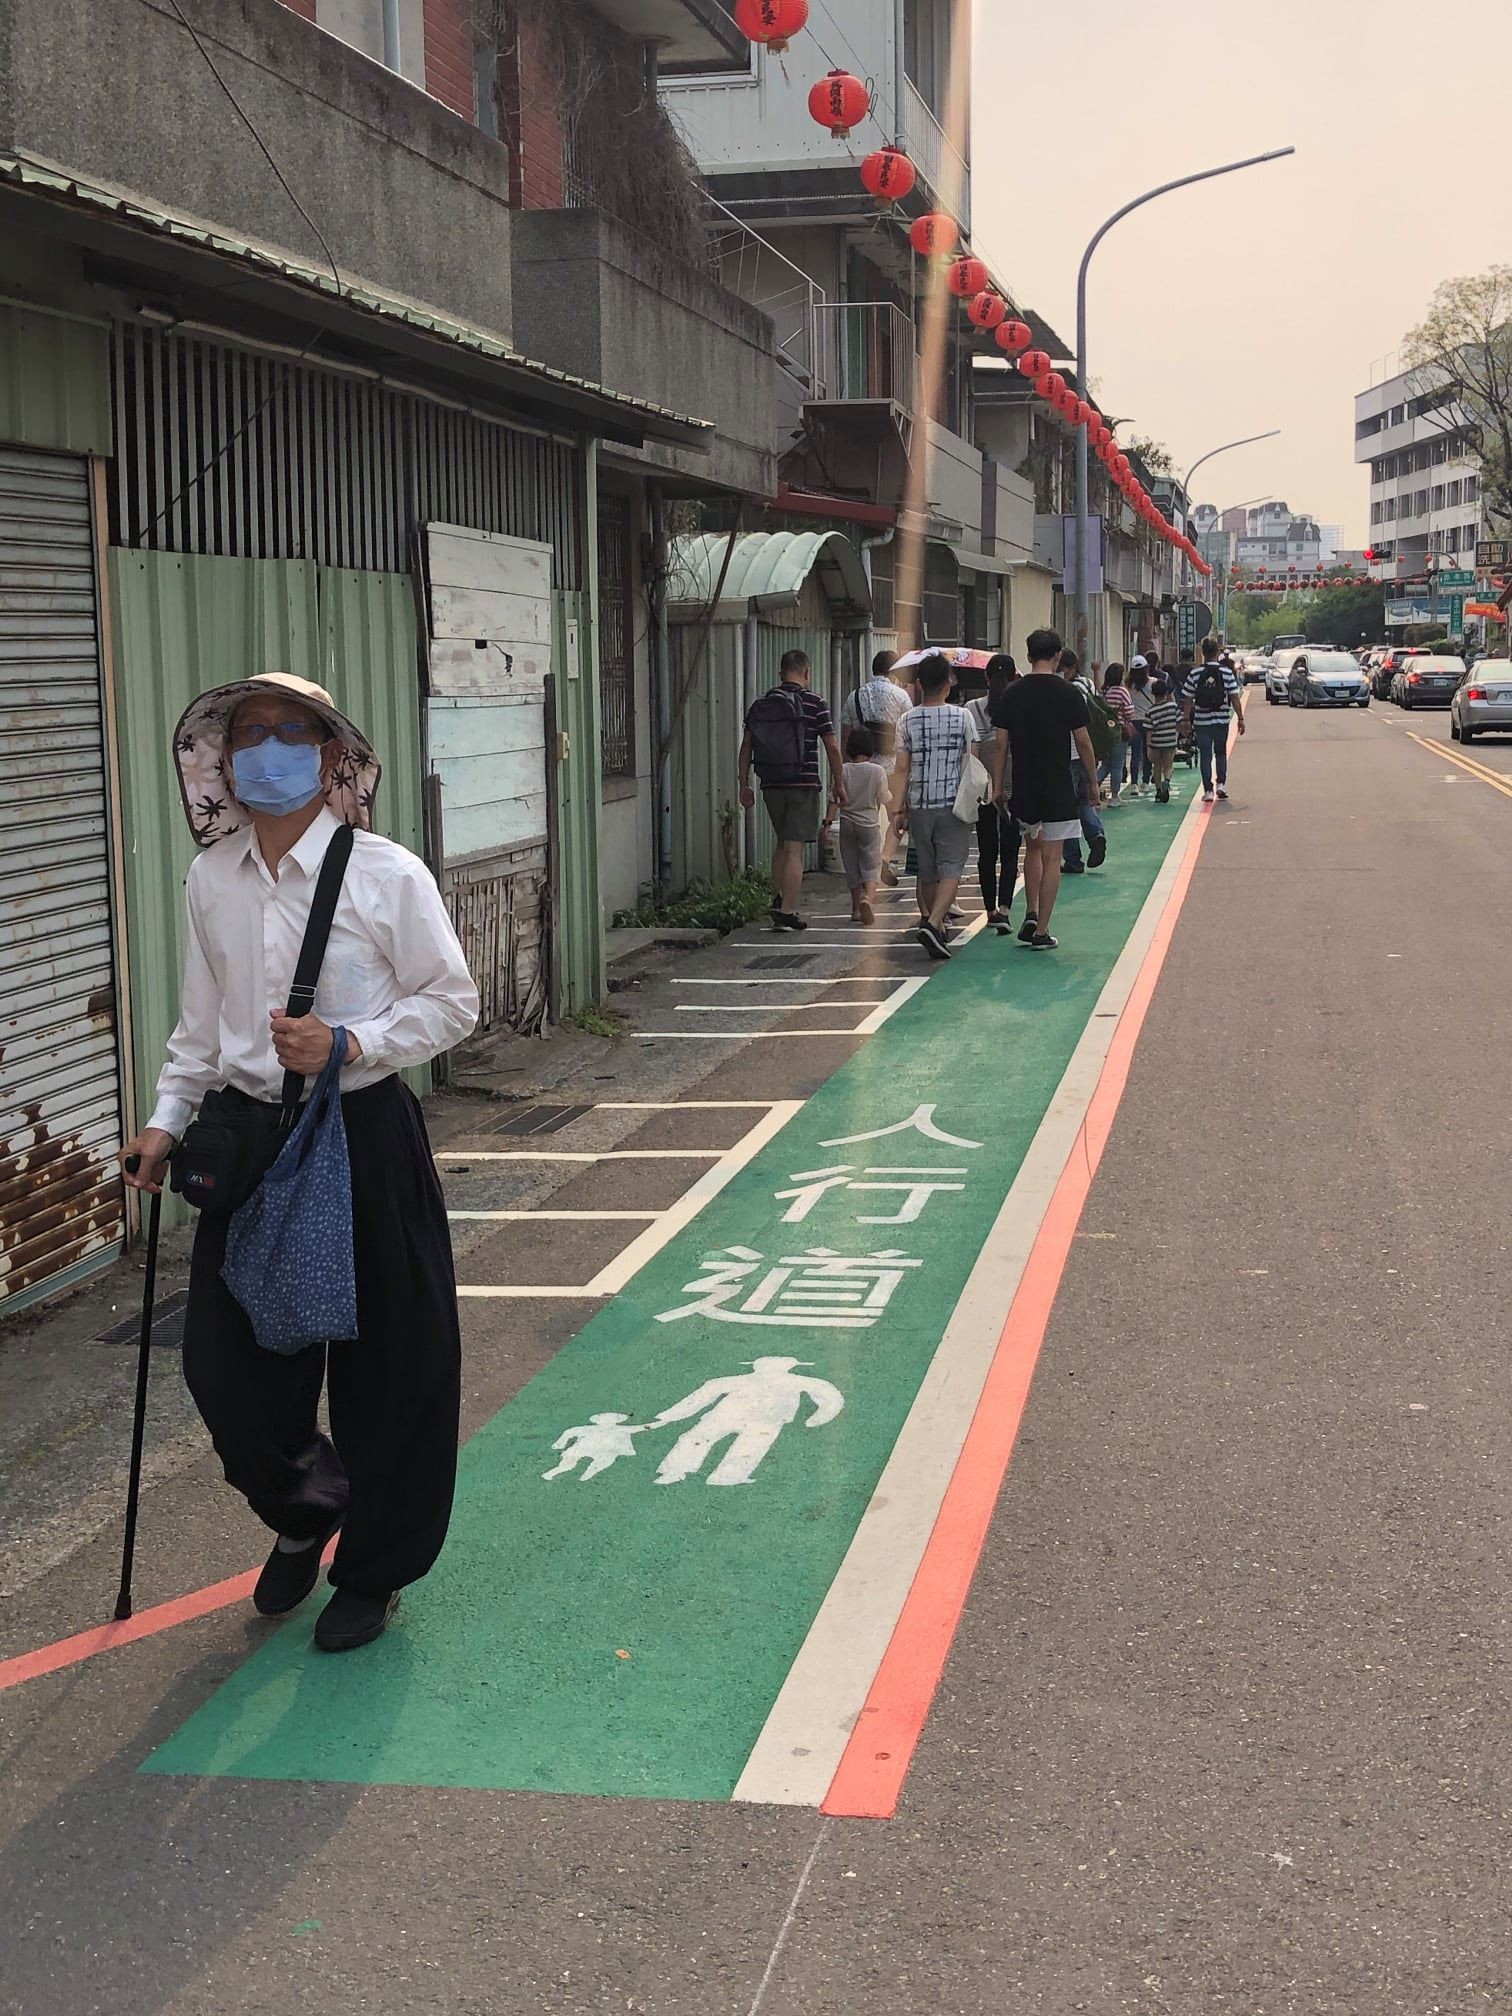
1119, 702
1211, 695
1162, 733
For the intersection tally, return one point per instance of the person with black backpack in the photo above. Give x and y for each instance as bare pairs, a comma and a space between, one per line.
1211, 697
783, 731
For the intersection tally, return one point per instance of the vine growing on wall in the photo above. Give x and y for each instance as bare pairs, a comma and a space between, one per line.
621, 153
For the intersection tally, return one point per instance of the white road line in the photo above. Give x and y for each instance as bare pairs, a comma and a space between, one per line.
736, 1035
619, 1272
906, 990
797, 980
587, 1217
684, 1105
772, 1007
622, 1270
526, 1294
577, 1155
799, 1749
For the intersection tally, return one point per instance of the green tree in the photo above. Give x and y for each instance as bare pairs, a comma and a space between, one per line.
1464, 342
1155, 455
1346, 616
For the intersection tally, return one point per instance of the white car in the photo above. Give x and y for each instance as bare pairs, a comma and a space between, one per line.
1275, 673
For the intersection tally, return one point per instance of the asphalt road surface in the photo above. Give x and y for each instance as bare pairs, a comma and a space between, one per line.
1222, 1725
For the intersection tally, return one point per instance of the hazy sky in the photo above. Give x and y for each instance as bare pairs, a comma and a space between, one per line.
1317, 265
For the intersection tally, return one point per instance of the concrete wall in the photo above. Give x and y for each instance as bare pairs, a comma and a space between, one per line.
597, 299
408, 196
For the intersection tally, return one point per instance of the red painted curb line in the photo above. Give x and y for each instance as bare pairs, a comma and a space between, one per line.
870, 1775
145, 1624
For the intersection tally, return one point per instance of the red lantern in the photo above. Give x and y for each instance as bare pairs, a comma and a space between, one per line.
888, 175
840, 101
987, 310
967, 277
1014, 336
1034, 363
934, 233
1044, 386
771, 22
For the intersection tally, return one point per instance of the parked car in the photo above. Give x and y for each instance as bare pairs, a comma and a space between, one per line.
1482, 700
1388, 663
1425, 680
1320, 678
1275, 672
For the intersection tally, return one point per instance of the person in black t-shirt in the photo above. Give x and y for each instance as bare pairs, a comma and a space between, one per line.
1043, 715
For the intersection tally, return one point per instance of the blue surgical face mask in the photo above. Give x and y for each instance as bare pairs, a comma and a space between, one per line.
274, 778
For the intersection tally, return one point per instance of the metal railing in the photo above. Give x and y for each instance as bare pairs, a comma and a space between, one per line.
935, 155
752, 267
865, 350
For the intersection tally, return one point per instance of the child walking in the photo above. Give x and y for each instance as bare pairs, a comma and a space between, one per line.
1162, 733
868, 788
1120, 704
1141, 770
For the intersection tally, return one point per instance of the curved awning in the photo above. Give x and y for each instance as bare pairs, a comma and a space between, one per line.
768, 571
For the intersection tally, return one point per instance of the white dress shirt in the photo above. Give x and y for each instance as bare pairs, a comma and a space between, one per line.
394, 974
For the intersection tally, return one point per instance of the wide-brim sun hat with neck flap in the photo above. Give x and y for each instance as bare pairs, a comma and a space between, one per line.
204, 763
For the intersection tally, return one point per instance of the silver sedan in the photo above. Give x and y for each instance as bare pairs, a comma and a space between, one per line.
1483, 699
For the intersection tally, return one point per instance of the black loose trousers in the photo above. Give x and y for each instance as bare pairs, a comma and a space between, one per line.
388, 1468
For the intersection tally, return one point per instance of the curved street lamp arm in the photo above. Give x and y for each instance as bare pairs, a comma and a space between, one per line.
1186, 481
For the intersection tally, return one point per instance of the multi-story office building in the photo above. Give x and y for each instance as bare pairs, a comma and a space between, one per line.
1425, 490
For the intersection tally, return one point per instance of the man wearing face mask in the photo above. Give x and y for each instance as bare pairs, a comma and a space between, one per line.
270, 770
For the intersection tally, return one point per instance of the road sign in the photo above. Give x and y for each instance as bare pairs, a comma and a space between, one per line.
1193, 620
1493, 553
1456, 577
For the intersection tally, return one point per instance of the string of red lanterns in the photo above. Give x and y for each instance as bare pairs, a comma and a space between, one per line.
840, 102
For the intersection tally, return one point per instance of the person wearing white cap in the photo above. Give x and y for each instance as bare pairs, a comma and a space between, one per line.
270, 771
1141, 768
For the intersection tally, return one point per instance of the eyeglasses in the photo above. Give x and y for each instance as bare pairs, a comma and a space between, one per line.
292, 734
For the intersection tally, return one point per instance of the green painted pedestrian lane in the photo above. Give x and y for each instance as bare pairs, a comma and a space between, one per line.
644, 1535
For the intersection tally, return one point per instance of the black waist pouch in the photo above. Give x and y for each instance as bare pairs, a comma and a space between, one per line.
226, 1151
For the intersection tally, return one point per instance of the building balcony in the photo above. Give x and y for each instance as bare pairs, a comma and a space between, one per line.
940, 163
864, 354
687, 34
609, 305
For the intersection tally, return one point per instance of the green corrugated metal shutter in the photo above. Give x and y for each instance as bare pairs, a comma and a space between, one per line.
54, 381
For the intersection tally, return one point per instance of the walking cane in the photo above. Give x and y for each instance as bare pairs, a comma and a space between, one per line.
139, 1424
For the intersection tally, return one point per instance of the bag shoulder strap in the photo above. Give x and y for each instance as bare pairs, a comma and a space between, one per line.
313, 948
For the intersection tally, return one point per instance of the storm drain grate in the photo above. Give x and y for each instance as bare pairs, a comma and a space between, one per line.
167, 1324
540, 1120
779, 962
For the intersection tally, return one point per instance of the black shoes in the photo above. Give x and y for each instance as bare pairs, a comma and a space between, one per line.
351, 1619
1043, 942
788, 920
1076, 867
1027, 929
1097, 850
287, 1579
933, 941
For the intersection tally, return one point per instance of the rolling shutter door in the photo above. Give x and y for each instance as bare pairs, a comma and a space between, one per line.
60, 1110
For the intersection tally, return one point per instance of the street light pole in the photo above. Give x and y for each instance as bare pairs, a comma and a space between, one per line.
1186, 481
1083, 527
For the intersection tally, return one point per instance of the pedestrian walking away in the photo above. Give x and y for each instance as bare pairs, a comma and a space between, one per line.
1043, 712
1141, 771
1119, 702
1084, 775
1162, 733
783, 731
868, 792
1211, 699
935, 741
271, 771
999, 840
878, 705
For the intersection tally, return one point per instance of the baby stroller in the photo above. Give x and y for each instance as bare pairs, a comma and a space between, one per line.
1186, 746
